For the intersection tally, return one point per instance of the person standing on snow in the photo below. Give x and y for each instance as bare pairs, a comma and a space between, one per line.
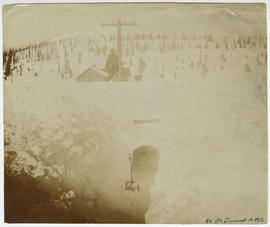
112, 65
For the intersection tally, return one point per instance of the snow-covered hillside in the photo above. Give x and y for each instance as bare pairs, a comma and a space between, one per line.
211, 135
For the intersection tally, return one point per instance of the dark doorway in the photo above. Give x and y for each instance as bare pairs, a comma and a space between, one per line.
145, 165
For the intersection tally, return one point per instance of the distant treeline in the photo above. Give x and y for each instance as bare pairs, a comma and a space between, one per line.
238, 40
74, 48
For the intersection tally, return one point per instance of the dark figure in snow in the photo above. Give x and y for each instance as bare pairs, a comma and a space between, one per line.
112, 65
21, 70
142, 65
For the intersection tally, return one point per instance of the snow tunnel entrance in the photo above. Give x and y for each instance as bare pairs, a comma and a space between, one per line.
145, 165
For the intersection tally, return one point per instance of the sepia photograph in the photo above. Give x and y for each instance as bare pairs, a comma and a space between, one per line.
135, 113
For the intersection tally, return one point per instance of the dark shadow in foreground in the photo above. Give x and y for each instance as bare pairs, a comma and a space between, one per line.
36, 200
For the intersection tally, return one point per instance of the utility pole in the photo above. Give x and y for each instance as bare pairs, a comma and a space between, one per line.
119, 24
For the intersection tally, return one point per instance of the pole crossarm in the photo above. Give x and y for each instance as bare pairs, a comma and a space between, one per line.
108, 25
121, 24
129, 24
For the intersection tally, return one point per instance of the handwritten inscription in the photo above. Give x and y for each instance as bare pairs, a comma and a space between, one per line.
231, 220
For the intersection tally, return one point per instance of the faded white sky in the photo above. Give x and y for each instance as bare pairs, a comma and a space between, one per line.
23, 24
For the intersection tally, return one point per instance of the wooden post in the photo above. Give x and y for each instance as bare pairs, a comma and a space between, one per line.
119, 45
